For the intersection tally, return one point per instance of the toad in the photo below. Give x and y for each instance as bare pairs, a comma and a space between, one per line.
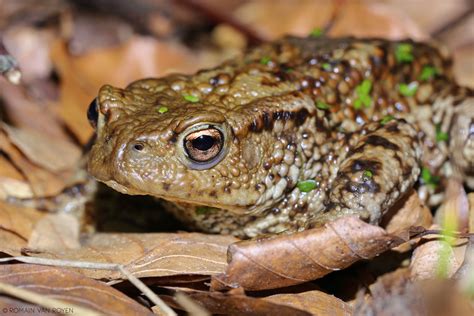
290, 135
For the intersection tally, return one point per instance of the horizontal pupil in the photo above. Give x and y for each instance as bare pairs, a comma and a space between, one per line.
203, 142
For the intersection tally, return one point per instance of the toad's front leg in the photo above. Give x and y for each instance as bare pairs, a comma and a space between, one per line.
381, 167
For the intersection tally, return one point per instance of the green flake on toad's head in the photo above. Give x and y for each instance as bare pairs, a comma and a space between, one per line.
265, 60
408, 90
316, 32
163, 109
191, 98
327, 66
404, 53
440, 135
427, 73
386, 119
368, 174
306, 185
321, 105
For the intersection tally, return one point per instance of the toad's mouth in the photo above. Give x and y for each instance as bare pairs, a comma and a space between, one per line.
235, 209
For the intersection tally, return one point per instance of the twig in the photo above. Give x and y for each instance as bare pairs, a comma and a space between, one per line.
165, 309
190, 306
418, 232
44, 301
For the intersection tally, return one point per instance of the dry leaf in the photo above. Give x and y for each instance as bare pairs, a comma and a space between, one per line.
25, 111
396, 294
72, 287
150, 255
240, 304
463, 65
455, 208
372, 19
260, 16
55, 232
315, 302
43, 183
357, 18
16, 226
410, 212
470, 198
436, 258
55, 155
292, 259
14, 306
12, 182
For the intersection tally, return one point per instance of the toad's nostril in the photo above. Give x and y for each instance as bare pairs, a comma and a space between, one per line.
93, 113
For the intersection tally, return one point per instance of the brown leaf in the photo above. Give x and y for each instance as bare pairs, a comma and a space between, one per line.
52, 154
314, 302
397, 294
410, 212
16, 226
55, 232
407, 212
72, 287
14, 306
470, 198
238, 304
43, 183
455, 208
372, 19
463, 65
150, 255
292, 259
360, 18
294, 17
12, 182
26, 111
437, 257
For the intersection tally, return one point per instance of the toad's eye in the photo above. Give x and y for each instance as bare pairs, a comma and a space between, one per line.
204, 145
92, 113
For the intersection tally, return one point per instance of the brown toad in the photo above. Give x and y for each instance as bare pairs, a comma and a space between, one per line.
290, 135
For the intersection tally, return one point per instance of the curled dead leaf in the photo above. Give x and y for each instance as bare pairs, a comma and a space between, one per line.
287, 260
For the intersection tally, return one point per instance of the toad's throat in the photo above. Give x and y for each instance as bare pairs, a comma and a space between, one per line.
235, 209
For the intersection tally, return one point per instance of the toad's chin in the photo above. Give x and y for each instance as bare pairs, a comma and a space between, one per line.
236, 209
